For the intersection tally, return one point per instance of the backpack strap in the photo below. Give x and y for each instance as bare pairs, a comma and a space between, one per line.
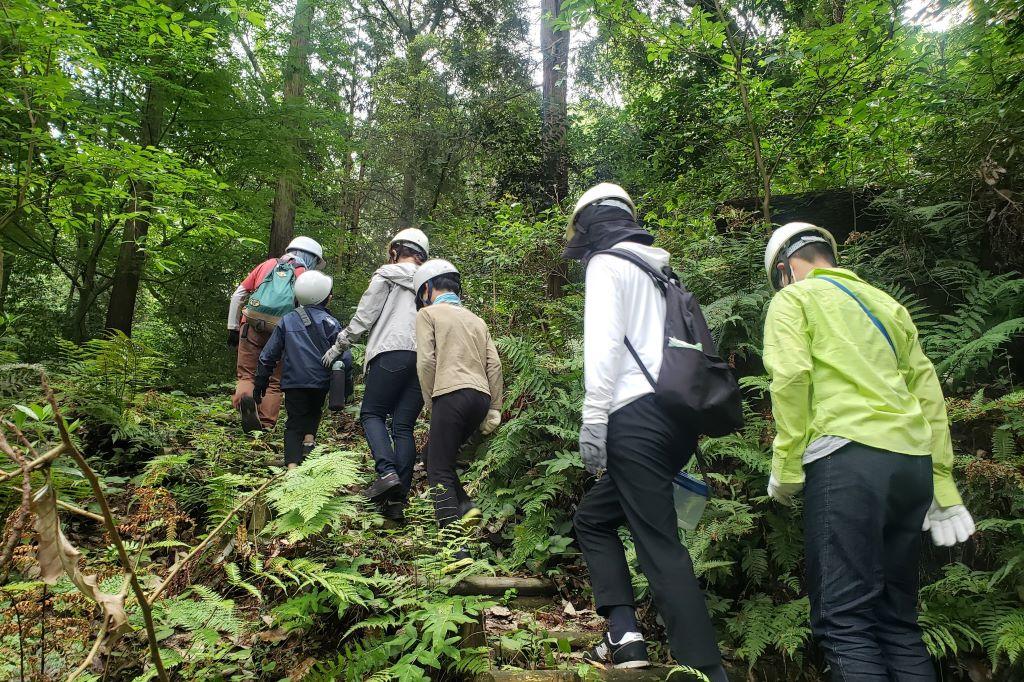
661, 279
317, 334
871, 316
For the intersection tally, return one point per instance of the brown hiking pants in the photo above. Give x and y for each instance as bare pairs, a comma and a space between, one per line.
250, 345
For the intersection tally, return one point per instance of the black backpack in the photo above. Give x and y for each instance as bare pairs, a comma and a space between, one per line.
695, 385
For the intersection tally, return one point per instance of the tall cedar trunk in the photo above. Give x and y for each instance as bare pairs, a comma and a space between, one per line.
296, 72
5, 278
554, 46
131, 257
407, 211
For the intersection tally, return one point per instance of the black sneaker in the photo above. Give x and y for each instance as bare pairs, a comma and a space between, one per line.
631, 652
394, 512
382, 486
307, 450
250, 419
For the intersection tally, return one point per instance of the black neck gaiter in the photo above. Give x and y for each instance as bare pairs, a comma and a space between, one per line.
602, 227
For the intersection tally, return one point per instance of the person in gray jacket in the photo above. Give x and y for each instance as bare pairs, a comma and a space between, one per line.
387, 310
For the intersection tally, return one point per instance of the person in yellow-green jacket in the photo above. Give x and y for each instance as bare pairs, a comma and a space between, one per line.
861, 427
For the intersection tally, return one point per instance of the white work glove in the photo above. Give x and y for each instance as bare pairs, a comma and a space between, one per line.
594, 447
783, 492
949, 525
335, 351
491, 422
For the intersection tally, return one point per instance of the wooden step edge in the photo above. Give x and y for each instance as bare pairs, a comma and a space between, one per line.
653, 674
497, 586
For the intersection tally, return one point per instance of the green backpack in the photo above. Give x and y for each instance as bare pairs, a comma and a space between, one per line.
274, 296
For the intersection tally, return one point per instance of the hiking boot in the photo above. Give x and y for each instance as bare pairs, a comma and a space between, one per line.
382, 486
630, 652
470, 514
250, 419
307, 450
459, 561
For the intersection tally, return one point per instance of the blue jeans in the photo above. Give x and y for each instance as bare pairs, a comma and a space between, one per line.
392, 391
863, 510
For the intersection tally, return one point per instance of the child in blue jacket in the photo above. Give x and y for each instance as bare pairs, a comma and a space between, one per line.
300, 340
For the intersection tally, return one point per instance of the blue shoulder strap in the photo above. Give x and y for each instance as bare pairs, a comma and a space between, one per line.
871, 316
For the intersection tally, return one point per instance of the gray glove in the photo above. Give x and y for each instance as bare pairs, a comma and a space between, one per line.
594, 447
336, 351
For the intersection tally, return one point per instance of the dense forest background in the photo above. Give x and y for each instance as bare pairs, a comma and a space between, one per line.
152, 152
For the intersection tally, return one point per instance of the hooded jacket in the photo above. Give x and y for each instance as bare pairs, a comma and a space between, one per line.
388, 310
294, 345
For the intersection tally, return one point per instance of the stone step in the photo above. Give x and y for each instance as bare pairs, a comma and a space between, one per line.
653, 674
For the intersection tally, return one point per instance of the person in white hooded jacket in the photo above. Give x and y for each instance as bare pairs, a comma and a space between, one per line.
387, 310
627, 437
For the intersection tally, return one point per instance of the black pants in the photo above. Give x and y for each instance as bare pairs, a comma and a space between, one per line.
453, 419
863, 510
645, 450
392, 390
304, 406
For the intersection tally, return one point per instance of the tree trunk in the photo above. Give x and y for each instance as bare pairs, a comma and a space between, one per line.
5, 279
554, 46
296, 72
131, 257
407, 210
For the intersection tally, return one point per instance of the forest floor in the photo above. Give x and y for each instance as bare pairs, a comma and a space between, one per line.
224, 616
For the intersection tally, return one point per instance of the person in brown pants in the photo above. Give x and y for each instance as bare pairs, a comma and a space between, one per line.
250, 329
253, 336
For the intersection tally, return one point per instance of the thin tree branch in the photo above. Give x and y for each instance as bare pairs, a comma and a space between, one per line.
111, 527
206, 541
78, 510
24, 511
41, 461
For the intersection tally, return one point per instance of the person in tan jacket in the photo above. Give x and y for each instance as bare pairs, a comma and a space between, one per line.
460, 374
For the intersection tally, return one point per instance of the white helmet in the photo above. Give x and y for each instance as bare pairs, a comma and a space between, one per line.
309, 246
312, 287
789, 239
413, 237
429, 270
604, 190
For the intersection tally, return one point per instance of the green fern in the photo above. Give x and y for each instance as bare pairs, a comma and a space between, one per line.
314, 495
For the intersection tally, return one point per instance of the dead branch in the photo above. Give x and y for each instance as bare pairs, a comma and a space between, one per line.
24, 512
206, 541
78, 510
40, 461
111, 527
92, 652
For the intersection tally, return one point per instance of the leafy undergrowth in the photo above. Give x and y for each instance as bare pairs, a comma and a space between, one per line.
307, 581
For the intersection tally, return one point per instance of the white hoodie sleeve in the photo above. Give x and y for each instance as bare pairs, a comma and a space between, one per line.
604, 325
235, 308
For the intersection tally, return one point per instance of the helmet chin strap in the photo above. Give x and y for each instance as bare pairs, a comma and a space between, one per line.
428, 289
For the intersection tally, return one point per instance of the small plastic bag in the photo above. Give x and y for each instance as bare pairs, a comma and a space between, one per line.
691, 496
